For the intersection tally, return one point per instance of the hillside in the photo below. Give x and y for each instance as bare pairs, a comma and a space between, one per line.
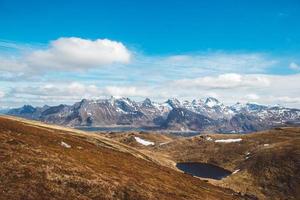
40, 161
265, 164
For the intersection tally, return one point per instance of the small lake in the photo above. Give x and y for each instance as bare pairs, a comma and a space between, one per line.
203, 170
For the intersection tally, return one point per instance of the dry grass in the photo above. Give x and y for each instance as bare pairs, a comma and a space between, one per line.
34, 165
270, 171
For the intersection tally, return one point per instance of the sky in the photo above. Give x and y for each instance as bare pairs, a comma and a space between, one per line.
61, 51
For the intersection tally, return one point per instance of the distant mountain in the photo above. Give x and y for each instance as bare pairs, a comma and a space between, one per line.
208, 115
4, 110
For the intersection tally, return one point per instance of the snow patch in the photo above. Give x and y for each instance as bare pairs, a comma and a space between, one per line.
120, 110
211, 102
209, 139
236, 171
143, 142
247, 156
229, 140
266, 145
63, 144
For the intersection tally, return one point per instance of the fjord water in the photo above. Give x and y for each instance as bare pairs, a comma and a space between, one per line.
203, 170
121, 129
112, 129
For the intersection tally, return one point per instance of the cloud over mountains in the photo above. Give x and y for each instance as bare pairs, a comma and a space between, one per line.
69, 69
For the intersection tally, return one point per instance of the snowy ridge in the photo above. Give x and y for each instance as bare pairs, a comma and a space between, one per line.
197, 115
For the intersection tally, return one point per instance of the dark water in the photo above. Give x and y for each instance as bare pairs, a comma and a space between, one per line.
115, 129
203, 170
131, 128
109, 129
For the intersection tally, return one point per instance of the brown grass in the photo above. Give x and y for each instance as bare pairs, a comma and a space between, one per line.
34, 165
270, 172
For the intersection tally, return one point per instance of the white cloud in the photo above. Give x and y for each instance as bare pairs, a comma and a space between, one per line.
54, 74
13, 45
231, 88
12, 64
294, 66
68, 54
263, 89
286, 99
225, 81
56, 93
79, 89
252, 97
224, 62
76, 53
126, 91
2, 94
168, 68
59, 91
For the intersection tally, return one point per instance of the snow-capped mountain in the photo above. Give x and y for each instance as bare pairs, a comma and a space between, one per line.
208, 115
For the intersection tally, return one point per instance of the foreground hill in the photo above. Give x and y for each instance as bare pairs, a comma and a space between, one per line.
265, 164
208, 115
40, 161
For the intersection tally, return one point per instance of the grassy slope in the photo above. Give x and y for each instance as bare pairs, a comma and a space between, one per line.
34, 165
271, 171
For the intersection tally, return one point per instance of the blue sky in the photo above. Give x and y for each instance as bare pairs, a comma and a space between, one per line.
182, 26
155, 49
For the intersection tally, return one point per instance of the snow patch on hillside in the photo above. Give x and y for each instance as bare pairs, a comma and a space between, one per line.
143, 142
229, 140
63, 144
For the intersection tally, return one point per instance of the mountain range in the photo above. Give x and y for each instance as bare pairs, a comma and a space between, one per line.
209, 115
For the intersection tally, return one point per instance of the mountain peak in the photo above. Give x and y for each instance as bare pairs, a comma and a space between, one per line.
243, 117
211, 102
84, 101
255, 106
112, 98
126, 100
173, 102
198, 102
237, 107
147, 102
